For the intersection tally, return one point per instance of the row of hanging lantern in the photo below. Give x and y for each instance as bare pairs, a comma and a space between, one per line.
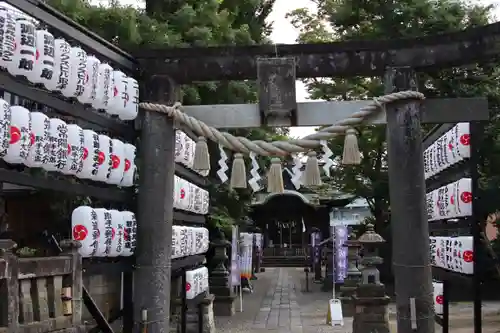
104, 233
53, 63
37, 141
190, 197
189, 241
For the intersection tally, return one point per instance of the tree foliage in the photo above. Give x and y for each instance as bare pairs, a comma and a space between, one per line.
184, 23
343, 20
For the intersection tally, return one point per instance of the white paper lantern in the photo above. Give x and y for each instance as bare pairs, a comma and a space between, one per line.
464, 197
40, 125
438, 297
85, 229
118, 229
117, 163
76, 142
77, 73
176, 250
104, 90
23, 60
205, 202
7, 38
102, 158
130, 100
44, 59
105, 232
180, 143
130, 233
206, 240
463, 140
90, 150
20, 136
60, 75
129, 167
57, 153
181, 200
5, 116
463, 254
188, 151
91, 79
117, 103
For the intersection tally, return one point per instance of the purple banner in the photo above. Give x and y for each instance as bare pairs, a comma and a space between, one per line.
340, 253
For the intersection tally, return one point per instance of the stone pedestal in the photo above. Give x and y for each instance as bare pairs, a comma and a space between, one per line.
371, 313
220, 278
370, 300
353, 276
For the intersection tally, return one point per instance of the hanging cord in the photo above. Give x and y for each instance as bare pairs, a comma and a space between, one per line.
280, 148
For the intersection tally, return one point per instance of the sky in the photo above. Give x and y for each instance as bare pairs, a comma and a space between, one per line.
285, 33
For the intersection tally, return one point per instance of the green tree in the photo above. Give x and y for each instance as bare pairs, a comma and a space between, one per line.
371, 20
185, 23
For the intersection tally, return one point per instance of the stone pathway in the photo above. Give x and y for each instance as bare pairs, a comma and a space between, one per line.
279, 304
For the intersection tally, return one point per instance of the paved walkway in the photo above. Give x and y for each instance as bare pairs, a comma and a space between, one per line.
280, 304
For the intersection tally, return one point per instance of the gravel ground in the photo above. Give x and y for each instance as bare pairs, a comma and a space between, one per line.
279, 304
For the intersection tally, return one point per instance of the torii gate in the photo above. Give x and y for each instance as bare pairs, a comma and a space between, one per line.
402, 111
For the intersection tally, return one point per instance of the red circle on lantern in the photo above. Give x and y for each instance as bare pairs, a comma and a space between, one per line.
80, 232
115, 91
125, 235
466, 197
127, 164
450, 146
32, 139
439, 299
465, 139
188, 286
100, 158
113, 232
85, 153
116, 161
15, 135
183, 193
37, 55
452, 199
468, 256
69, 149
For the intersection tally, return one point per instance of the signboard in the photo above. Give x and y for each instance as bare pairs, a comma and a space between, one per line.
340, 257
246, 246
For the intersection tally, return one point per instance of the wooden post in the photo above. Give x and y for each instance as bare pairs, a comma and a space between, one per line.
7, 247
70, 248
410, 230
155, 208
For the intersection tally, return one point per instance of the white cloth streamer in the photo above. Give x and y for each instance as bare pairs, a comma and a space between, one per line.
223, 165
297, 173
254, 181
326, 157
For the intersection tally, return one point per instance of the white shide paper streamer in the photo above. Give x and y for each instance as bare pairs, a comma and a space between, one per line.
254, 181
297, 173
326, 157
223, 165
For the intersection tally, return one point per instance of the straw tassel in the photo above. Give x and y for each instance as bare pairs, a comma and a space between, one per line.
312, 176
351, 155
201, 156
238, 172
275, 177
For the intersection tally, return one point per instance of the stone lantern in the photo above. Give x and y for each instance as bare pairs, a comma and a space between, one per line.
370, 300
353, 276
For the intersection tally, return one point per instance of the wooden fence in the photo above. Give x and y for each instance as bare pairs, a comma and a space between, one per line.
40, 294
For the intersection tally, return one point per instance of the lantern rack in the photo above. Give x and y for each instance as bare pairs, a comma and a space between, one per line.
461, 226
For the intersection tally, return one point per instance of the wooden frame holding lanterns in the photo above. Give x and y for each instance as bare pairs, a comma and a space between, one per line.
453, 211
